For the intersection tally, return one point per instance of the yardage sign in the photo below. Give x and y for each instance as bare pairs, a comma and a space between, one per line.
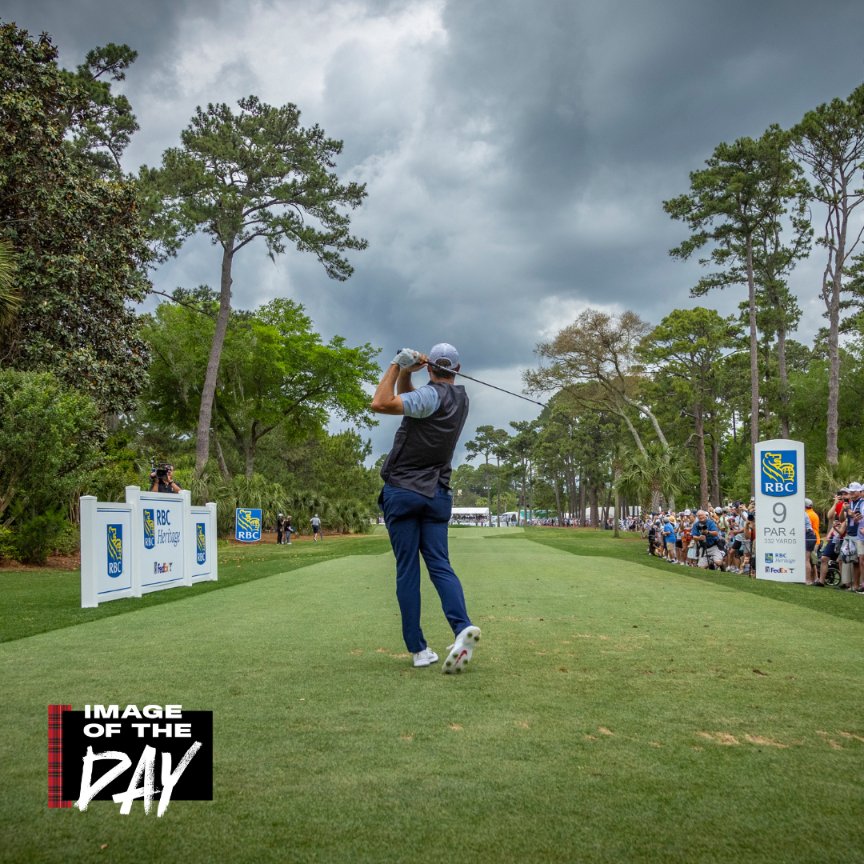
780, 539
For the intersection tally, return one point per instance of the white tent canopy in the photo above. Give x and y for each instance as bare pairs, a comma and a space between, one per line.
470, 516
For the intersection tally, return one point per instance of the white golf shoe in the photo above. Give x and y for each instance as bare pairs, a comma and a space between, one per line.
426, 657
461, 650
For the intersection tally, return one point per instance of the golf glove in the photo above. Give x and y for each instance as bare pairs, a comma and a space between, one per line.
406, 357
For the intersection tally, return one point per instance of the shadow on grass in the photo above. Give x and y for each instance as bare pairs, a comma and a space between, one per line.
596, 543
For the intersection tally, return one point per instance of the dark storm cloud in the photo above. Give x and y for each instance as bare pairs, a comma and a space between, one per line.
516, 154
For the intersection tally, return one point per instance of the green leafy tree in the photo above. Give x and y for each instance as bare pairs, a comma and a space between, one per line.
277, 374
830, 141
650, 478
686, 349
50, 438
735, 203
79, 244
600, 350
489, 441
519, 452
102, 122
238, 177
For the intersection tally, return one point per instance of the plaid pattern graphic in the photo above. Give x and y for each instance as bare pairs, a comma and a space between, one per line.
55, 756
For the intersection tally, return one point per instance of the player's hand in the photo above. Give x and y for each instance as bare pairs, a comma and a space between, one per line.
408, 358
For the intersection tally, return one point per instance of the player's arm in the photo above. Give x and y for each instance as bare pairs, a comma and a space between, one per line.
386, 400
395, 381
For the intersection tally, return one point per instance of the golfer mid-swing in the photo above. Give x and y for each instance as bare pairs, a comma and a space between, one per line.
416, 498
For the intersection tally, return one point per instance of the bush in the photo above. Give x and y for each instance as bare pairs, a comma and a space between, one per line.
8, 549
50, 440
37, 538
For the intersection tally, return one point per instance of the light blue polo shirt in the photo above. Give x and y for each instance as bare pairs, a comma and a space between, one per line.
420, 403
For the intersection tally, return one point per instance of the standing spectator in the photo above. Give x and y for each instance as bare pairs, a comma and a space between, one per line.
668, 538
651, 533
855, 534
811, 543
749, 548
813, 516
280, 525
315, 522
734, 539
287, 530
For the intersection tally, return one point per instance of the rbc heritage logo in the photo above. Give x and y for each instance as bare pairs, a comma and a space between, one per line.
114, 535
149, 528
200, 542
779, 473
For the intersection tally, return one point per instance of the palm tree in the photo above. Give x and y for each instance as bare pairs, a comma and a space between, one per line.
827, 479
10, 296
649, 477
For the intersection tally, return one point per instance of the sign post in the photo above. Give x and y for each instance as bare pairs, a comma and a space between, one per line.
780, 539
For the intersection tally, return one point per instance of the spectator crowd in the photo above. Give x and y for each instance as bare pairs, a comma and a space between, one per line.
722, 538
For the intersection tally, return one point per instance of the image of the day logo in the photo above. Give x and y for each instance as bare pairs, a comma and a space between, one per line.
109, 753
779, 474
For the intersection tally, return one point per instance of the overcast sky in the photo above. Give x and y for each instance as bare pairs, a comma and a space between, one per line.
516, 153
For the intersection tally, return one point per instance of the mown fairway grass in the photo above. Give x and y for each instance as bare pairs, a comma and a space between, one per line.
619, 710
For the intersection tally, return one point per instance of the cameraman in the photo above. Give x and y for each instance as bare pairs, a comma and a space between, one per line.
706, 533
162, 479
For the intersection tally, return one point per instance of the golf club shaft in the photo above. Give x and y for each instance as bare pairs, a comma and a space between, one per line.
485, 383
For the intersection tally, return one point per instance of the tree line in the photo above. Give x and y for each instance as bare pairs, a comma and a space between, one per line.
240, 400
644, 415
91, 391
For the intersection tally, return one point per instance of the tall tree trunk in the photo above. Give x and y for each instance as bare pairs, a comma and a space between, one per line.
754, 362
581, 513
833, 302
783, 377
558, 483
700, 454
220, 458
715, 469
498, 486
208, 392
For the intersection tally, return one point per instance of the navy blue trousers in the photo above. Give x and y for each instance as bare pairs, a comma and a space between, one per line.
418, 526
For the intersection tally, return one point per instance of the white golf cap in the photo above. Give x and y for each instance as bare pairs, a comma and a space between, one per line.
855, 487
808, 502
444, 354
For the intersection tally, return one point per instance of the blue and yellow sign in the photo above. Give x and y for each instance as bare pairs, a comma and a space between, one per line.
201, 542
149, 528
247, 524
779, 473
114, 535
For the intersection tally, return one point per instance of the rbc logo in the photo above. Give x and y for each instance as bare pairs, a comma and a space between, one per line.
248, 525
779, 473
200, 542
149, 529
114, 535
